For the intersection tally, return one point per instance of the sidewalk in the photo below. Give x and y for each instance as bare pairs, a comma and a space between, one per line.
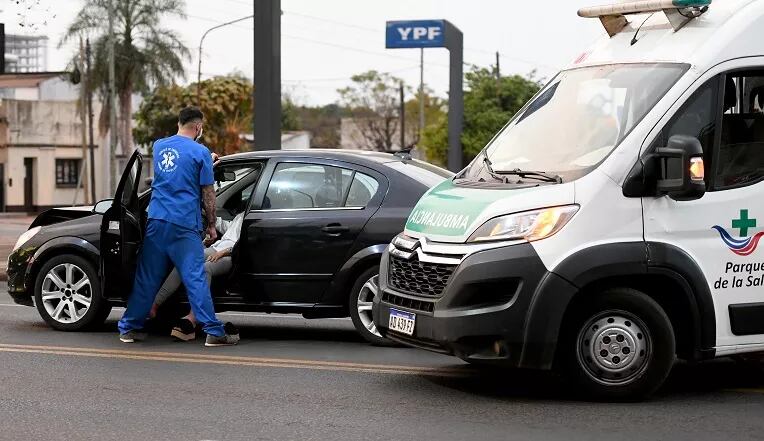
12, 225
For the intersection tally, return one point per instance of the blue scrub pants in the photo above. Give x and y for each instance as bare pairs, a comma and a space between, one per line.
168, 244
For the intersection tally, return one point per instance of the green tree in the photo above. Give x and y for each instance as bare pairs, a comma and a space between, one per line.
290, 118
225, 101
488, 104
373, 102
146, 54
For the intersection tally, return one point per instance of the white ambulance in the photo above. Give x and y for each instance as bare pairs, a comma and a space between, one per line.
615, 223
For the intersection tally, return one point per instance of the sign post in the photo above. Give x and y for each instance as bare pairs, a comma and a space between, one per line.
438, 33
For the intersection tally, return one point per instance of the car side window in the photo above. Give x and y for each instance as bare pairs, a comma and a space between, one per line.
296, 186
363, 188
740, 159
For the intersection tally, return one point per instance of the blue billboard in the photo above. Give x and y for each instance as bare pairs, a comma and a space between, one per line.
415, 34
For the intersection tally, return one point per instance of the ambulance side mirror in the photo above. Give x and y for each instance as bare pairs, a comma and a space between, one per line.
680, 169
675, 170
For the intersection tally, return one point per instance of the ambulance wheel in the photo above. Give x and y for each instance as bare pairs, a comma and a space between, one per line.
67, 294
619, 345
361, 296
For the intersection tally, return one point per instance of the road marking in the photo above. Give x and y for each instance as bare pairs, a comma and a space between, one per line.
747, 391
236, 360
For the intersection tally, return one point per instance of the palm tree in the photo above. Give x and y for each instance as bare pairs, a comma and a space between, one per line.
146, 55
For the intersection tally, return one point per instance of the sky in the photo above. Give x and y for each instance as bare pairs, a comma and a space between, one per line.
325, 42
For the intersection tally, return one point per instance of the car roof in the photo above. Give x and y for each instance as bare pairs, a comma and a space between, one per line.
360, 157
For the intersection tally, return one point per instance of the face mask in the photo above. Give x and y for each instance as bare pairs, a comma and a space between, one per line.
201, 131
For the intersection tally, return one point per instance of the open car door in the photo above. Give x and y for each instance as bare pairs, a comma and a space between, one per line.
121, 234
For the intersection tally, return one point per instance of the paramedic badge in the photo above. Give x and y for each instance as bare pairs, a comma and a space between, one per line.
167, 160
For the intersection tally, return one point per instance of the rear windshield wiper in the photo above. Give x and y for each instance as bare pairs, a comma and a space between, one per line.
542, 176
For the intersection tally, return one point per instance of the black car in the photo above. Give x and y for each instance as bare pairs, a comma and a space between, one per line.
316, 225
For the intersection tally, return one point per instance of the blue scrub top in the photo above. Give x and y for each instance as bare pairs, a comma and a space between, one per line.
181, 167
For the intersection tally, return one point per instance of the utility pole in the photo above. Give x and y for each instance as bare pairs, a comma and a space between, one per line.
498, 69
91, 146
267, 69
421, 92
403, 119
112, 104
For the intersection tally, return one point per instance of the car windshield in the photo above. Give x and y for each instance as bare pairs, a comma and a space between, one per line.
576, 121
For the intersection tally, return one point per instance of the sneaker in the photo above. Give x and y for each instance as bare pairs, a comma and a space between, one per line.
132, 336
184, 330
230, 338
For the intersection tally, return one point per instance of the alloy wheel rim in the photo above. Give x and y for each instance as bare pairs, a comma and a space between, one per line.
614, 348
66, 293
365, 298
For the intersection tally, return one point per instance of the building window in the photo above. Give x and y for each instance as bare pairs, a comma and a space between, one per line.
67, 172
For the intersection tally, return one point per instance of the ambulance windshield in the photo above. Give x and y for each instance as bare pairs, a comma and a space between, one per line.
575, 122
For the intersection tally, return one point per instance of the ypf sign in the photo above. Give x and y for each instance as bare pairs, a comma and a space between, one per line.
415, 34
411, 34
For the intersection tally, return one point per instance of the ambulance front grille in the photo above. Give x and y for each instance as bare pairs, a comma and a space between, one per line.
412, 276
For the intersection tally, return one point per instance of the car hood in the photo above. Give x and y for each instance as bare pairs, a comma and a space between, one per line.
451, 213
62, 214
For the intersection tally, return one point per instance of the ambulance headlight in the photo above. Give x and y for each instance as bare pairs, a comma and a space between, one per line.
24, 238
528, 225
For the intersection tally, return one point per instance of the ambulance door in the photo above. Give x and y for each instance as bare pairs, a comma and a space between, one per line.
722, 232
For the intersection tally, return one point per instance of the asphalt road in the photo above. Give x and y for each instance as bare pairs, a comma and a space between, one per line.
293, 379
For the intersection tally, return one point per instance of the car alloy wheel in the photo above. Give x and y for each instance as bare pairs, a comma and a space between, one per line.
365, 296
66, 293
614, 348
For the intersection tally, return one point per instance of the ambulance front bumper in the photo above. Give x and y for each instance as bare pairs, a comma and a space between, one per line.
481, 309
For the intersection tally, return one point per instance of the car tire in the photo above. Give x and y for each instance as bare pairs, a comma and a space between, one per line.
619, 345
363, 291
67, 294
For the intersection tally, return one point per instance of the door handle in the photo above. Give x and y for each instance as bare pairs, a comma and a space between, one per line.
335, 229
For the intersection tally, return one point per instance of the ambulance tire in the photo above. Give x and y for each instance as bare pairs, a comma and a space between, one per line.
361, 295
619, 345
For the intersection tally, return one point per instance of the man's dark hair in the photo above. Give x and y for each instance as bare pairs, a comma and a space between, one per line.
189, 114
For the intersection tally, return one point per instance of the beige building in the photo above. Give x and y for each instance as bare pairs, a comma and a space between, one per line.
41, 155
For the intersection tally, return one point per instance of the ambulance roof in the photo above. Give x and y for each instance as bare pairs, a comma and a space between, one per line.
729, 29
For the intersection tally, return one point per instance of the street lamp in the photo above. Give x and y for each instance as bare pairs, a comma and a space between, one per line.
199, 72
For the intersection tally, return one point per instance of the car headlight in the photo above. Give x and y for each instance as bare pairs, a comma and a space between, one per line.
24, 238
528, 225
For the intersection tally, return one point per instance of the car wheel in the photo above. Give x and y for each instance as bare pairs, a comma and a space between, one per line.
68, 294
619, 346
361, 296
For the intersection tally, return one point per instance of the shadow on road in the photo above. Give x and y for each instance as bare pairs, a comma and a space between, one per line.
686, 381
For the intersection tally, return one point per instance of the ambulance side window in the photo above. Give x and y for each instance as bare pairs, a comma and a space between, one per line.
740, 160
697, 118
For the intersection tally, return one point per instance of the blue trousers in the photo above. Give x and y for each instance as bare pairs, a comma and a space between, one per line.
164, 246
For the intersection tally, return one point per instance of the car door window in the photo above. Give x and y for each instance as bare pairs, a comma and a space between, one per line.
740, 159
363, 188
296, 186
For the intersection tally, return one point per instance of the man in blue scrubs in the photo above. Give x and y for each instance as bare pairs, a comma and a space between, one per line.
183, 182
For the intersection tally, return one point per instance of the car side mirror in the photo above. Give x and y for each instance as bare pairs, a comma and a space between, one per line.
103, 206
681, 172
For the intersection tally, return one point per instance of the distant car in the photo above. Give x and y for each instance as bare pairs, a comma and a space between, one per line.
316, 225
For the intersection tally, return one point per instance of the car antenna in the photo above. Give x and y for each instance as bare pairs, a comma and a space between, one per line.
404, 154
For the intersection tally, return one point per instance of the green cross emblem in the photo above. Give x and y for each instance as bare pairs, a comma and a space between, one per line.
743, 224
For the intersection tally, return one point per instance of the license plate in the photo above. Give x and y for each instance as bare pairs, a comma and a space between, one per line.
402, 322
